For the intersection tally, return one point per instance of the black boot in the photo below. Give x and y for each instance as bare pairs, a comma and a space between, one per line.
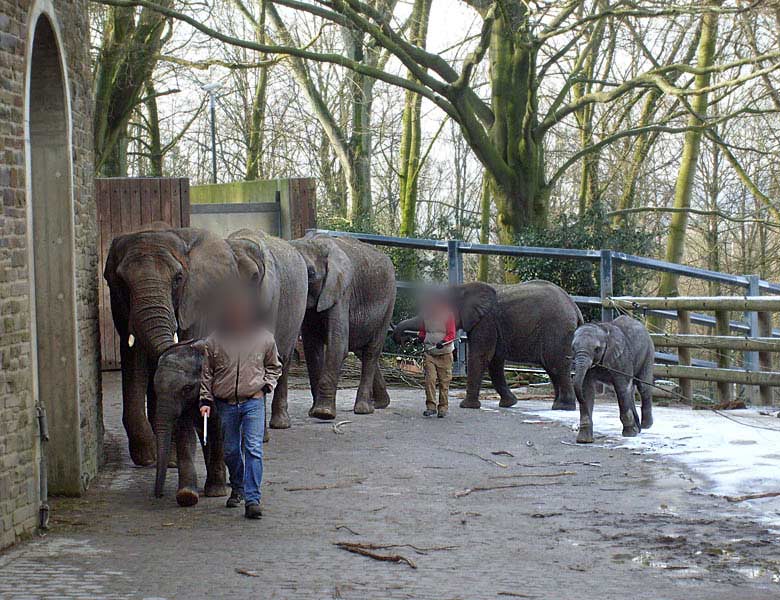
253, 511
235, 500
429, 413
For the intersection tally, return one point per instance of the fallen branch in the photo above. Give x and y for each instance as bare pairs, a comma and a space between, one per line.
560, 474
247, 573
337, 427
752, 496
364, 551
471, 490
474, 454
345, 528
326, 486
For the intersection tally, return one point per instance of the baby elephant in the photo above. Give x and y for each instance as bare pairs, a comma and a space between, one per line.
620, 353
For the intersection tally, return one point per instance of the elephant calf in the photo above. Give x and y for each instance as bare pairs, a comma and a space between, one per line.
619, 353
177, 385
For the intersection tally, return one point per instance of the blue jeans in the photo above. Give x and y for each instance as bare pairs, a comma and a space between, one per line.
245, 420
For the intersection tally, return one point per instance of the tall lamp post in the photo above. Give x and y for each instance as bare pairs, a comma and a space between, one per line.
211, 90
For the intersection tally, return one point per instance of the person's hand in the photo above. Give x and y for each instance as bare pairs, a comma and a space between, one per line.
205, 411
440, 345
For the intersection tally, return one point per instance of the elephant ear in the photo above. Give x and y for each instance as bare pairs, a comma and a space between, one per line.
472, 302
256, 267
615, 344
210, 264
337, 279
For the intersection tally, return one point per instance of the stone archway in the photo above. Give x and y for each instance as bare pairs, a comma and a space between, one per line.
53, 261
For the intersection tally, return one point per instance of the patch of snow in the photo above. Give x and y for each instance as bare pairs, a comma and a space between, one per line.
733, 453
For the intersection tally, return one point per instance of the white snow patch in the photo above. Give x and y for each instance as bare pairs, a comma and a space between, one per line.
733, 454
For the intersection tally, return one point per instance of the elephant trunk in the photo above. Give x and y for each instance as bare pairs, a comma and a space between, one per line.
164, 442
582, 363
154, 322
399, 330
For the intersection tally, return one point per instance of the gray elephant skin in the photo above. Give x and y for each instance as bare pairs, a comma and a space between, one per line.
619, 353
159, 281
349, 306
177, 384
531, 322
277, 273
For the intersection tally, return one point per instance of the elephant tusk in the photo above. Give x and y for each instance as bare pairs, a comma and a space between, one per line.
131, 340
175, 338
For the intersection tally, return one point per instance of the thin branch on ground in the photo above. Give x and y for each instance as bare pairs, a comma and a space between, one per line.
359, 549
752, 496
508, 486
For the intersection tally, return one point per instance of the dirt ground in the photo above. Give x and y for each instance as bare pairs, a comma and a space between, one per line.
543, 518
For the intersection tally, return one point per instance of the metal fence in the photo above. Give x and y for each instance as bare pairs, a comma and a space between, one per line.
752, 326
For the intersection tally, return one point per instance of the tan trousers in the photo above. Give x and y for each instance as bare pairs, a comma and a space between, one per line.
437, 369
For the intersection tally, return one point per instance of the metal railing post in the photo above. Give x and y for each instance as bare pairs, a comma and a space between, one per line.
605, 283
455, 277
751, 357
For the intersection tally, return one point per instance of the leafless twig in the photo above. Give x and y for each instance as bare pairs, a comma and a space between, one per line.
471, 490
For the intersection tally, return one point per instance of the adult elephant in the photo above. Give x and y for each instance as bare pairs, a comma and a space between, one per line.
531, 322
278, 274
349, 306
160, 283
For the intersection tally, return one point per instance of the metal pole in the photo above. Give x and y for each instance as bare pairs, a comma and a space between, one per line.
751, 358
605, 281
213, 103
455, 276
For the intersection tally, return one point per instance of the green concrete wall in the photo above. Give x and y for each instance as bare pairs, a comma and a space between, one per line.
239, 191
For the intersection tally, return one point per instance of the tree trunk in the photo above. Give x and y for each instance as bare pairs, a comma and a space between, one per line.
409, 166
129, 51
691, 148
254, 154
361, 97
153, 125
484, 229
520, 192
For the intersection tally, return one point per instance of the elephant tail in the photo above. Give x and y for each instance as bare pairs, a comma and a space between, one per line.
580, 320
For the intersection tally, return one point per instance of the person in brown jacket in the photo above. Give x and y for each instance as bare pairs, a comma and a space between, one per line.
240, 367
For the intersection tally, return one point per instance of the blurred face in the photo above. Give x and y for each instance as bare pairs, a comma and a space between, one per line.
236, 313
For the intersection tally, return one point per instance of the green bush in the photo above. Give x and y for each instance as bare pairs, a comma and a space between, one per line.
593, 231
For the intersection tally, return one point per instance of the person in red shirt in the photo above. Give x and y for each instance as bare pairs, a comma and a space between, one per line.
437, 333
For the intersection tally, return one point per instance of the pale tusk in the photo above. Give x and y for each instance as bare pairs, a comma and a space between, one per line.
131, 340
175, 338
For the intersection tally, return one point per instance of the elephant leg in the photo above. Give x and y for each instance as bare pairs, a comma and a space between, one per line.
187, 493
381, 397
477, 365
336, 349
565, 398
646, 393
628, 417
585, 435
280, 418
498, 377
313, 351
214, 453
369, 361
135, 377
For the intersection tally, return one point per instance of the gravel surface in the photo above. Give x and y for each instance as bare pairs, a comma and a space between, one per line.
484, 504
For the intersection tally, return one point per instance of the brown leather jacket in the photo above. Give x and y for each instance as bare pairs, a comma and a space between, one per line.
239, 367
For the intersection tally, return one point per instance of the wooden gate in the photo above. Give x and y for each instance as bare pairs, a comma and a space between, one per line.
131, 204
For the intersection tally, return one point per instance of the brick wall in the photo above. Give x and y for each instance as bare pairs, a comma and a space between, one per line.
18, 426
